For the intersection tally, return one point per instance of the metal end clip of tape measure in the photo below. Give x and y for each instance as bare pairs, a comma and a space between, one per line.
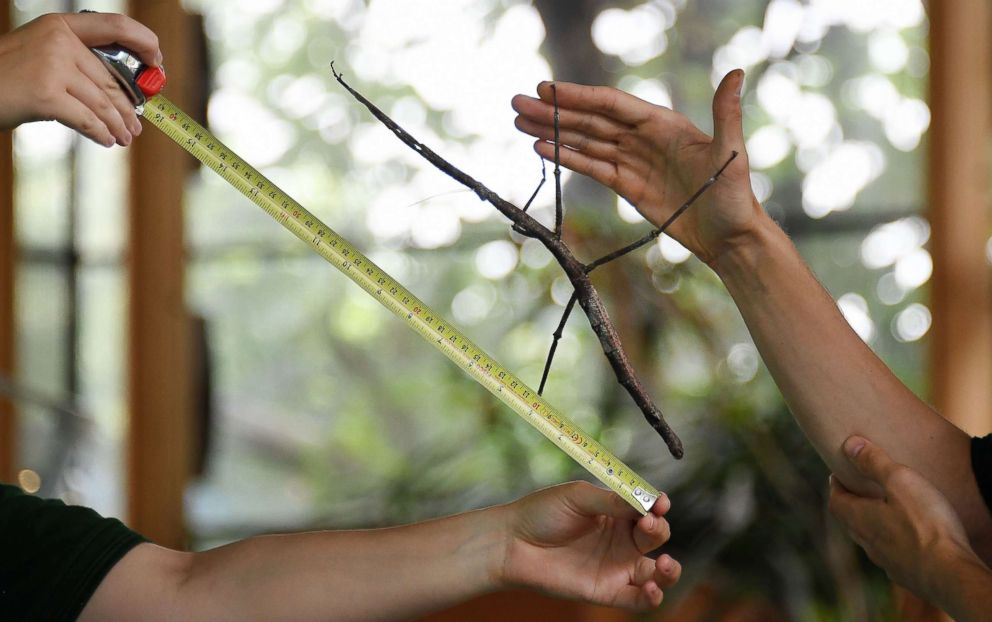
143, 83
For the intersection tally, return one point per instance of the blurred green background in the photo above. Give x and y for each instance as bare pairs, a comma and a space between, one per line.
328, 412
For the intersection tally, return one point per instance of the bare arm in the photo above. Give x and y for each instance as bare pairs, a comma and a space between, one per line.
913, 533
833, 383
575, 540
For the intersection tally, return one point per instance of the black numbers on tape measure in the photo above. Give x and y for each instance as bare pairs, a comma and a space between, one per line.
272, 195
393, 290
464, 347
223, 155
368, 271
382, 281
221, 167
210, 146
406, 300
309, 224
198, 136
158, 116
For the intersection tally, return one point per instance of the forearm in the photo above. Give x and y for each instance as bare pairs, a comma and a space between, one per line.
384, 574
964, 588
834, 384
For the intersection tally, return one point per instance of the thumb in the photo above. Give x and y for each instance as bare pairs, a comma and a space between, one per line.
869, 459
590, 500
728, 132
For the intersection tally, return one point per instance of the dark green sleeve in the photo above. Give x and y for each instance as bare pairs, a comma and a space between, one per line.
981, 464
53, 556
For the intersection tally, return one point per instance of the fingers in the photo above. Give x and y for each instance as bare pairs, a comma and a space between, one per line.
592, 124
93, 97
638, 597
601, 149
95, 29
95, 70
661, 505
74, 114
605, 172
870, 459
728, 131
603, 100
651, 532
842, 502
650, 578
668, 571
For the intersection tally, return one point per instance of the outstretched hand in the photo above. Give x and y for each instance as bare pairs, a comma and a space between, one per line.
584, 542
652, 156
48, 73
911, 531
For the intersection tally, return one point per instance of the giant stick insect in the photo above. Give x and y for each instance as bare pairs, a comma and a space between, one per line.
577, 272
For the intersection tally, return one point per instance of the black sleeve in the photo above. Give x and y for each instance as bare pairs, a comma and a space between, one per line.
53, 556
981, 464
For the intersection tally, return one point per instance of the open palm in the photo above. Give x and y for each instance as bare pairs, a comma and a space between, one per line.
652, 156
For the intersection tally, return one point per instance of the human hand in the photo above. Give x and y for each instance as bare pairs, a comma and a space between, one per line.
48, 73
912, 531
653, 157
584, 542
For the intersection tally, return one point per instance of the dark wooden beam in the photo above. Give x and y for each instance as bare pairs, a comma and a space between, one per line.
159, 388
961, 297
8, 264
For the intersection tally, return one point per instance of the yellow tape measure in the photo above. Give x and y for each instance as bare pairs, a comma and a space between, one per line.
524, 400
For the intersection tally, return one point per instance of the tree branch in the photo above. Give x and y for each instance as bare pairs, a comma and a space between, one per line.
554, 343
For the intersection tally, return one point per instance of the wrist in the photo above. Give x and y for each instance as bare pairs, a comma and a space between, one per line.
494, 536
743, 254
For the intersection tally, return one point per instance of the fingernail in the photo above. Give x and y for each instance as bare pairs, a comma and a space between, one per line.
135, 128
159, 59
109, 142
125, 139
740, 83
854, 445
